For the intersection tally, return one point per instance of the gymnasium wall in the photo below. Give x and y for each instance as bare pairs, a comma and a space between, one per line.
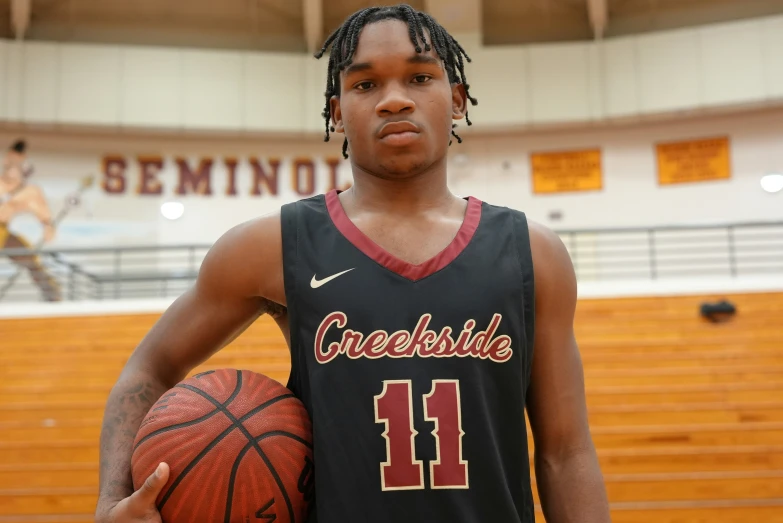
631, 194
122, 206
137, 87
158, 124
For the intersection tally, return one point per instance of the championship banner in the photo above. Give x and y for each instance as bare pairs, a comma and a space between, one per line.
567, 171
694, 161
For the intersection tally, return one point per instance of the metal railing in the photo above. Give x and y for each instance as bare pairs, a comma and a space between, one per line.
736, 250
100, 273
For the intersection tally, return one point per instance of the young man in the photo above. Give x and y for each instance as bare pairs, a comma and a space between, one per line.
418, 411
19, 197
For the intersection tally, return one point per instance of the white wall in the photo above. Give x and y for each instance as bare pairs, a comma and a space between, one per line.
61, 160
126, 87
631, 195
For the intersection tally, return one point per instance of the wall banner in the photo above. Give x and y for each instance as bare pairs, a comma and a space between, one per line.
567, 171
694, 161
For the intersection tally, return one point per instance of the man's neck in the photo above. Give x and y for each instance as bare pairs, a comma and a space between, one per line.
422, 193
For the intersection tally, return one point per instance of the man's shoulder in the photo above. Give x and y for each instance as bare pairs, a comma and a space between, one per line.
548, 251
551, 259
316, 201
247, 259
494, 211
497, 207
538, 232
255, 233
542, 235
267, 228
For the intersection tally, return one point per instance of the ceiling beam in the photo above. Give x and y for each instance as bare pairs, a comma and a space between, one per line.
598, 12
20, 17
313, 24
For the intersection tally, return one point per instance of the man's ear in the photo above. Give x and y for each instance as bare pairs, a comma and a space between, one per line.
459, 101
337, 114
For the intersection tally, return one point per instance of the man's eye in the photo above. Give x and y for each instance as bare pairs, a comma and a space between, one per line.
363, 86
421, 79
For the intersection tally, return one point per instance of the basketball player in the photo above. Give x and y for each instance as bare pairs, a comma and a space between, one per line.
404, 306
19, 197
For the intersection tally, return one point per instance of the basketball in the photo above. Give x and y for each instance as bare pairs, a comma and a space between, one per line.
239, 446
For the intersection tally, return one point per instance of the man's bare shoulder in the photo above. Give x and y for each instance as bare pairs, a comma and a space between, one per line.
262, 230
551, 261
542, 237
248, 258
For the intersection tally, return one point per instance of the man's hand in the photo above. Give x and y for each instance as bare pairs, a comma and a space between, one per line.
140, 506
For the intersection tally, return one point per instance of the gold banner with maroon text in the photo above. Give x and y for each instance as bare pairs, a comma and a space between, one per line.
694, 161
567, 171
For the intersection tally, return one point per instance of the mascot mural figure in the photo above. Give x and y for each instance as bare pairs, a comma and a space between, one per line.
17, 196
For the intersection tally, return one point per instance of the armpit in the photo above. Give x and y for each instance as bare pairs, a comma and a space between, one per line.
275, 310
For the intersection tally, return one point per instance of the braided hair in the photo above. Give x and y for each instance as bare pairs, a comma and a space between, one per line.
344, 40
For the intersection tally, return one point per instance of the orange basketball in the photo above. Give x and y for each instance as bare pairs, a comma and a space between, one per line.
239, 446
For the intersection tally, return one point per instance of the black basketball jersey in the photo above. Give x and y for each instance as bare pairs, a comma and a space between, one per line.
415, 376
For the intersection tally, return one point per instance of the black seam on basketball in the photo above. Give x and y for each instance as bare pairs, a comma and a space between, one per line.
175, 427
192, 464
235, 467
214, 442
286, 435
190, 423
250, 438
232, 478
236, 390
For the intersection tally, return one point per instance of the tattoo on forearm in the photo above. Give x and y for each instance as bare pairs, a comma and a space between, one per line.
125, 410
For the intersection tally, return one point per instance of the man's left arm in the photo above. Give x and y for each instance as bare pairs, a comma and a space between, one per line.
569, 479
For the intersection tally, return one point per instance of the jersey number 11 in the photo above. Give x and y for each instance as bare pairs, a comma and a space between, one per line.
394, 408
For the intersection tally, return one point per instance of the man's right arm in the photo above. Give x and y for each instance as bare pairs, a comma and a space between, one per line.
239, 280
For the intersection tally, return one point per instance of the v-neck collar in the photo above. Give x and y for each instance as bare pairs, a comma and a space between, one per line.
383, 257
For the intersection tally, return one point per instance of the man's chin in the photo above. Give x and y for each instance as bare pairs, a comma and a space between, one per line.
403, 165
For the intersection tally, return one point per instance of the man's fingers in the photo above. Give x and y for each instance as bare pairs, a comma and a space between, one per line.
152, 486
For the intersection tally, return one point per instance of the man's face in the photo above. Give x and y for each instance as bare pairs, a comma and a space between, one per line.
396, 106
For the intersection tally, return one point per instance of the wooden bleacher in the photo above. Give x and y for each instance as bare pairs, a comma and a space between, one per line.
687, 416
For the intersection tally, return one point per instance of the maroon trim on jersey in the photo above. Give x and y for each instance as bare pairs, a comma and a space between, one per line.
407, 270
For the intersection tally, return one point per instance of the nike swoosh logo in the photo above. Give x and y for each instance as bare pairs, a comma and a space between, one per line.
315, 283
